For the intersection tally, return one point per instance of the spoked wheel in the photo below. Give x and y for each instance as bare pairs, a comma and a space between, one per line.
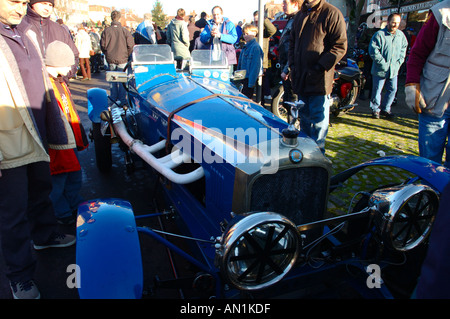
351, 97
406, 214
277, 105
279, 109
260, 250
413, 222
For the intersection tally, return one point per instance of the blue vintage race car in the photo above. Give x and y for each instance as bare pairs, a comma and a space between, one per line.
249, 190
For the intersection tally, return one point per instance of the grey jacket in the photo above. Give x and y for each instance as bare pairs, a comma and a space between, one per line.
178, 38
435, 79
388, 52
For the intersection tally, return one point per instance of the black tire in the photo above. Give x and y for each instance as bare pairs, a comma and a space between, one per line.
277, 104
102, 146
351, 99
334, 106
279, 109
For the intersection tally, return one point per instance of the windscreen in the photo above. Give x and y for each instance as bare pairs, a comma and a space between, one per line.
208, 59
152, 53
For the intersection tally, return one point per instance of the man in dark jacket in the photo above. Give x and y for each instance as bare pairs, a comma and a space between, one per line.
117, 44
201, 23
47, 31
290, 8
318, 42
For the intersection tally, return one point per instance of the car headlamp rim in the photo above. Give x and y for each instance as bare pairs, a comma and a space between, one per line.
258, 250
418, 229
394, 203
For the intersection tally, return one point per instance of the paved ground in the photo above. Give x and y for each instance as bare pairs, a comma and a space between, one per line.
353, 138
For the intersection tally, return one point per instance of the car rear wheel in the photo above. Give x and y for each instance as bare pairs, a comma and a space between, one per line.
277, 104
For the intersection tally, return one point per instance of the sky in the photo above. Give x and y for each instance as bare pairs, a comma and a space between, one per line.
235, 10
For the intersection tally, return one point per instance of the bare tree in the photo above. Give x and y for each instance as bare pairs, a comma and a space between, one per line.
355, 7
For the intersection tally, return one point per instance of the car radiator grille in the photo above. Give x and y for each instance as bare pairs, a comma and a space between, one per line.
300, 194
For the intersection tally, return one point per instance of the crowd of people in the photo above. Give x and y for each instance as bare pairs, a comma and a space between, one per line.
41, 133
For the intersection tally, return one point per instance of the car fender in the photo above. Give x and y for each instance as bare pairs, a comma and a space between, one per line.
436, 175
108, 252
97, 103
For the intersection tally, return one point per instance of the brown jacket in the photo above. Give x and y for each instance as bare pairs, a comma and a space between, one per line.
117, 43
318, 42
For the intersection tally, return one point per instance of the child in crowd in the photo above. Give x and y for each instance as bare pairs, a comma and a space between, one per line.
251, 60
64, 164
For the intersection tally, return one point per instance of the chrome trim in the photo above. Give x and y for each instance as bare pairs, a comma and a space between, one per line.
405, 214
247, 174
258, 250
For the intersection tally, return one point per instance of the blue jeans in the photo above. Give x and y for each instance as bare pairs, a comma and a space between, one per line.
65, 194
315, 117
117, 91
377, 103
434, 133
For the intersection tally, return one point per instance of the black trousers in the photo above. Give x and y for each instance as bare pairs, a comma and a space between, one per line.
289, 95
248, 92
26, 214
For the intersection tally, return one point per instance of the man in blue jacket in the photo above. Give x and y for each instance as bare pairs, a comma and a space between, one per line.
220, 31
145, 31
387, 49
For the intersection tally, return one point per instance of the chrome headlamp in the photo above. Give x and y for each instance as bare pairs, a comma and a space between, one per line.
405, 214
258, 250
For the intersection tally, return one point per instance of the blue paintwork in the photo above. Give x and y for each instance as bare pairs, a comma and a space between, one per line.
154, 92
166, 98
161, 74
107, 249
152, 106
436, 175
97, 103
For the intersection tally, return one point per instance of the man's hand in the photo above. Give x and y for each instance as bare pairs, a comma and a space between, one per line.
215, 32
413, 97
284, 76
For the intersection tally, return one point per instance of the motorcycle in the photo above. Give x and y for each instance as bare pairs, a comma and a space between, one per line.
348, 83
